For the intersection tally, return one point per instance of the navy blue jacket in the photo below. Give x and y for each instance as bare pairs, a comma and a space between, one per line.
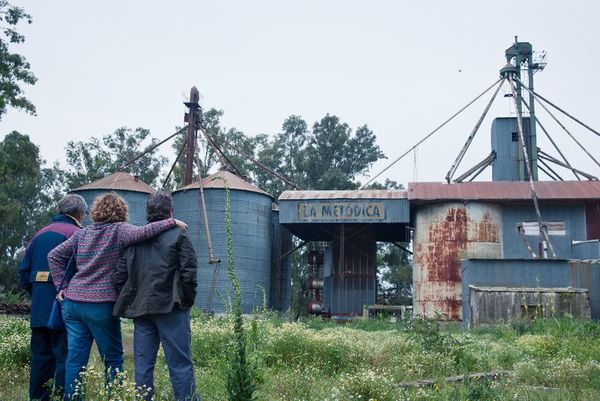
33, 270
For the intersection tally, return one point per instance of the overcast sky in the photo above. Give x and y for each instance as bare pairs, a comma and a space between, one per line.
400, 67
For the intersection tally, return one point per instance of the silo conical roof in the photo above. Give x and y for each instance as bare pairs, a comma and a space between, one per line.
217, 180
119, 181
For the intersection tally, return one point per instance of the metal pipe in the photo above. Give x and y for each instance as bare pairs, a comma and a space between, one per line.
554, 174
567, 131
482, 164
174, 163
543, 230
553, 143
463, 151
546, 156
565, 113
547, 172
430, 134
151, 148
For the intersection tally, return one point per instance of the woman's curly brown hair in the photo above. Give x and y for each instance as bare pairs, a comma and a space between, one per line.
109, 208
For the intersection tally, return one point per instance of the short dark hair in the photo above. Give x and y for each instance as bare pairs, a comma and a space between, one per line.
72, 205
159, 206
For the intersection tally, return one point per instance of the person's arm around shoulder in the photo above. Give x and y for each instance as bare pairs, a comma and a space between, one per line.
188, 269
130, 234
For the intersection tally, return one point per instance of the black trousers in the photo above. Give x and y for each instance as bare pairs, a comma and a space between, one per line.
48, 354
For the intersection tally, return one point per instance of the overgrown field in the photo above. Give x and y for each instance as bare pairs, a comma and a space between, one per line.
316, 360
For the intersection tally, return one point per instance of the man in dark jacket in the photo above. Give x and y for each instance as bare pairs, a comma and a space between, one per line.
156, 282
48, 347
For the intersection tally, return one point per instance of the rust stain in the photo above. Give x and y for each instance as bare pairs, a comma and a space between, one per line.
448, 237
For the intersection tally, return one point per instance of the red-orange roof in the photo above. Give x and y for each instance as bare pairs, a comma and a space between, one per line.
345, 194
504, 190
119, 181
217, 180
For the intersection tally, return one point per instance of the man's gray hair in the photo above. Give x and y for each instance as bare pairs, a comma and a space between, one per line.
72, 205
159, 206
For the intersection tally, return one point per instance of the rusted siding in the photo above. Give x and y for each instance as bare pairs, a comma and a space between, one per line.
445, 234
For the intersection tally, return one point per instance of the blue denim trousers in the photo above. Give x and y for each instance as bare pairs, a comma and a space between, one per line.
87, 322
173, 331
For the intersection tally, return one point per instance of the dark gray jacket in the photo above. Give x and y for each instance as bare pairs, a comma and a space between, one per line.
155, 275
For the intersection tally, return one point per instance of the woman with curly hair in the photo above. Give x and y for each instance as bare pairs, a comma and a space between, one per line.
88, 299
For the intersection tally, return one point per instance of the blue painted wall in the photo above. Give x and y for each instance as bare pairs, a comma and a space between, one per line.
530, 273
506, 165
284, 278
252, 238
136, 202
512, 215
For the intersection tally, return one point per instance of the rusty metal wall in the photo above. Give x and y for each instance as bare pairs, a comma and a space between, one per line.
445, 233
504, 304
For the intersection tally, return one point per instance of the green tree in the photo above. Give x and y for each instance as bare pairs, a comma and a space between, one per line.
14, 68
97, 158
23, 204
396, 275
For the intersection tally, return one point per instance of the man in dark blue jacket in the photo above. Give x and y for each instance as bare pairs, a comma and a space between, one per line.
48, 347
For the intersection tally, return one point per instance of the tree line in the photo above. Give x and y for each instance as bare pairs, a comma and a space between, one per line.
327, 155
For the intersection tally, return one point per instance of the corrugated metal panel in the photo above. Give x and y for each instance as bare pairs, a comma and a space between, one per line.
217, 180
501, 304
350, 285
281, 272
376, 210
350, 194
592, 220
535, 273
504, 143
444, 234
119, 182
571, 214
504, 191
252, 236
136, 202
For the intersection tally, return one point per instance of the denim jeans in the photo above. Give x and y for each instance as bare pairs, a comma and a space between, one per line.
173, 331
87, 322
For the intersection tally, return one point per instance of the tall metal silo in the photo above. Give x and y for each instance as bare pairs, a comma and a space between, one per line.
128, 186
445, 233
251, 214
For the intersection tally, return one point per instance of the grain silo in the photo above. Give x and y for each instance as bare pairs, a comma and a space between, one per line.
251, 213
126, 185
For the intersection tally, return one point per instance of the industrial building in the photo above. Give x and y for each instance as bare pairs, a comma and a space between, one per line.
483, 252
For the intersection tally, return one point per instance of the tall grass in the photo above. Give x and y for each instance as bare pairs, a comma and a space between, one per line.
313, 360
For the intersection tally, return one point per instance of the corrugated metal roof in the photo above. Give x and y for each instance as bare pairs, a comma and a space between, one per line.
504, 190
217, 180
119, 181
349, 194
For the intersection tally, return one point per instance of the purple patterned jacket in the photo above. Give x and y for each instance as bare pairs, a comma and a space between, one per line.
97, 249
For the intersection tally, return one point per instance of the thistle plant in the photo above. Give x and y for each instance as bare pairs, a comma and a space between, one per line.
239, 375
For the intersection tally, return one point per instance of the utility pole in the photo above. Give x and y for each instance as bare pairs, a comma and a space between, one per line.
192, 119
